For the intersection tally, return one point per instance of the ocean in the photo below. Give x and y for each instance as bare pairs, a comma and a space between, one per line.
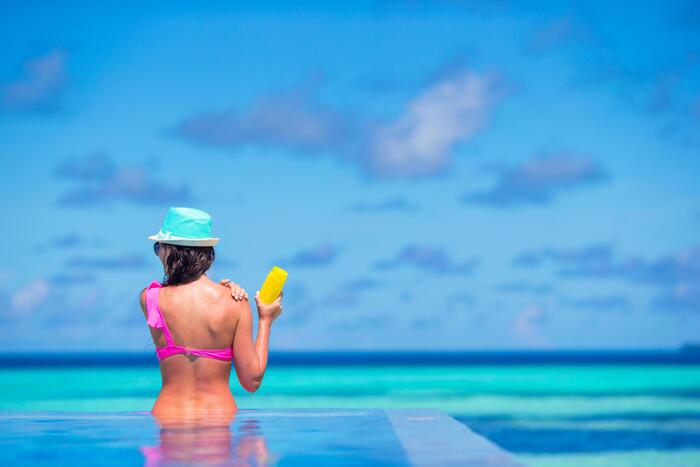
566, 409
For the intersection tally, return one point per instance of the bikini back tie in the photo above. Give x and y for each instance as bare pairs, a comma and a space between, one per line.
156, 320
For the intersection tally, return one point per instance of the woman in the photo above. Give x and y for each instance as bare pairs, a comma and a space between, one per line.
198, 330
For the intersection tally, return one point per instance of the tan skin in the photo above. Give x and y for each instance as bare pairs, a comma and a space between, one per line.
203, 315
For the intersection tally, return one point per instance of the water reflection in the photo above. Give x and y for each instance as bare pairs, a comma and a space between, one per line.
207, 439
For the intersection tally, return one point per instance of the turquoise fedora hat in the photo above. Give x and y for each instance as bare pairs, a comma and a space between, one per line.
186, 227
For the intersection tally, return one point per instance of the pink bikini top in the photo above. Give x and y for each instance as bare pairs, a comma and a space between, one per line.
156, 320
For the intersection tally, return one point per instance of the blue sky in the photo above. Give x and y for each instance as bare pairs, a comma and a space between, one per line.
447, 175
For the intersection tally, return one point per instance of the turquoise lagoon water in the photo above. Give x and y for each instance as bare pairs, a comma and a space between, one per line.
558, 415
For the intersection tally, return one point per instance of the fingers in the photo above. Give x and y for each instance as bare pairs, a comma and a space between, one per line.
237, 292
278, 301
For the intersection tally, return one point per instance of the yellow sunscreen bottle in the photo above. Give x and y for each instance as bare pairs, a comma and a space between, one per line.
273, 285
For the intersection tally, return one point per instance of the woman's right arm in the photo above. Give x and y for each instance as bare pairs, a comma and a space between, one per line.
250, 359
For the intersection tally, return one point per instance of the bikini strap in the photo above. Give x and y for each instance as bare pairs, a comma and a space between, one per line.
155, 316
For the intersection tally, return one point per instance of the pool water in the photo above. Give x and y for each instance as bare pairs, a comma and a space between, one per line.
309, 437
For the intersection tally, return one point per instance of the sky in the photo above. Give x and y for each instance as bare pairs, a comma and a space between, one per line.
433, 175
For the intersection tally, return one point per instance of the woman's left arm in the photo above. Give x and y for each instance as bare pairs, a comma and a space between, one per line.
237, 292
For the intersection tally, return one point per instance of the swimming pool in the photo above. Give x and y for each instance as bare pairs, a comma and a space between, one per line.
301, 437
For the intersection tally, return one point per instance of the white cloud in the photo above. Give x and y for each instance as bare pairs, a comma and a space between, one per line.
527, 324
420, 141
99, 181
40, 86
31, 295
539, 179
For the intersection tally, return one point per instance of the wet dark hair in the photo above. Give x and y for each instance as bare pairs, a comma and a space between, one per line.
185, 264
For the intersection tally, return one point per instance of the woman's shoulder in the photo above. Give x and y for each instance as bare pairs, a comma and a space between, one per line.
225, 308
216, 292
224, 296
153, 284
142, 300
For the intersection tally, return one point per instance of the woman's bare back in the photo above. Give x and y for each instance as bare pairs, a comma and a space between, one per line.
202, 315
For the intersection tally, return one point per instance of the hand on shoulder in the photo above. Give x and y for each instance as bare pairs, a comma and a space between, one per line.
238, 293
